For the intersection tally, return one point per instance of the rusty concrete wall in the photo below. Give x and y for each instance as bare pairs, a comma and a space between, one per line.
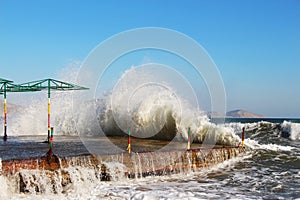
135, 165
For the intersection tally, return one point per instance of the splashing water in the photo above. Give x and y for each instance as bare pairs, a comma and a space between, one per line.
292, 129
154, 108
161, 114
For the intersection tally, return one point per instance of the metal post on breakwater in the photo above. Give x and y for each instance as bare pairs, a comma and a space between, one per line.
243, 138
48, 138
128, 142
50, 84
5, 115
189, 139
34, 86
50, 152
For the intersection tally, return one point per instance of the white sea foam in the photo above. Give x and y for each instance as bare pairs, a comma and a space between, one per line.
292, 128
255, 128
253, 144
182, 186
238, 126
4, 194
148, 114
148, 105
31, 118
85, 185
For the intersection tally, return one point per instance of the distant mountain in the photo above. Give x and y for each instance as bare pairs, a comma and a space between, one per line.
234, 114
242, 114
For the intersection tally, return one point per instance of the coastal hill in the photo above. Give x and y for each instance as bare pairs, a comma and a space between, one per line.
242, 114
235, 114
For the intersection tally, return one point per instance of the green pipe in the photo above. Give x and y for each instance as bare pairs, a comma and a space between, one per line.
128, 142
49, 110
50, 152
5, 114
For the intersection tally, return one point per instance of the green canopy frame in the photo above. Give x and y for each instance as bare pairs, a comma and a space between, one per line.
3, 85
8, 86
51, 84
33, 86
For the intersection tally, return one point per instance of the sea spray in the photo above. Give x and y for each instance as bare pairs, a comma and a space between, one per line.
286, 129
5, 193
154, 108
253, 144
290, 129
269, 171
77, 173
257, 132
156, 111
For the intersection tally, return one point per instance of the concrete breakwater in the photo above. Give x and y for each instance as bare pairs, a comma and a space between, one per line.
56, 175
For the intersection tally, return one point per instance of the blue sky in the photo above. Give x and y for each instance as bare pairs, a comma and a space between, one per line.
255, 44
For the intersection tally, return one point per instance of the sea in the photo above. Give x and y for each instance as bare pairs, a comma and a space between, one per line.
268, 169
149, 108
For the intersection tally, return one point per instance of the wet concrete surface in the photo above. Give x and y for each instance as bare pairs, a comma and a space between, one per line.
22, 147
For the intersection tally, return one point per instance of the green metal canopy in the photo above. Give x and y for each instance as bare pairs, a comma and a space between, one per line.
9, 86
3, 85
33, 86
4, 81
51, 84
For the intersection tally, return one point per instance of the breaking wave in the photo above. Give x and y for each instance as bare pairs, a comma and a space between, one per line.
154, 106
148, 116
155, 111
152, 110
290, 129
265, 135
286, 129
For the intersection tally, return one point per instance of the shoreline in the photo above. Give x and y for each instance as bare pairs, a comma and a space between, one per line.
111, 167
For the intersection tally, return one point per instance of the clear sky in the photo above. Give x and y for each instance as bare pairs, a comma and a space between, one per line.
255, 44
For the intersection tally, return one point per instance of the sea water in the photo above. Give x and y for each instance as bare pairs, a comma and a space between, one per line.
270, 169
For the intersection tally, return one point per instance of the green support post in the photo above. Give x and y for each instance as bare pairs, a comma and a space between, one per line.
243, 138
9, 86
129, 146
5, 114
49, 110
50, 152
33, 86
51, 84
